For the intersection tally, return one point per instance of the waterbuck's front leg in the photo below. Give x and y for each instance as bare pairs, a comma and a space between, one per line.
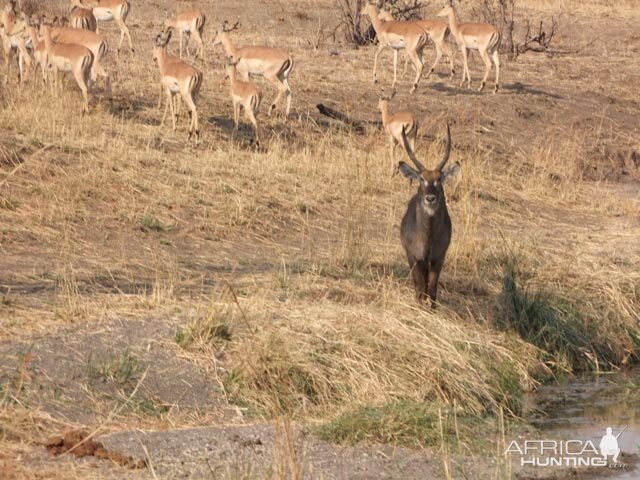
432, 281
420, 274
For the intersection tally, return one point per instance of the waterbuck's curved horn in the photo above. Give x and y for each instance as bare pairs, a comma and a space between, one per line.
410, 151
447, 151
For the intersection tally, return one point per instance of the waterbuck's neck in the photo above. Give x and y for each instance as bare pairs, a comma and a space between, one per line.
431, 222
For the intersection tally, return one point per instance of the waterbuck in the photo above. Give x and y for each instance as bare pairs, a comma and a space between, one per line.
426, 225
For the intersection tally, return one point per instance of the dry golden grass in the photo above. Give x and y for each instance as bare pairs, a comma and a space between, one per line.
293, 250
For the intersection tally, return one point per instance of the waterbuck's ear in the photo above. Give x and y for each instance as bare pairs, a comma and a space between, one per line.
408, 172
452, 171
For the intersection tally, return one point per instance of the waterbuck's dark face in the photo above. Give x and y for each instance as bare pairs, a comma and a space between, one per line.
431, 191
431, 182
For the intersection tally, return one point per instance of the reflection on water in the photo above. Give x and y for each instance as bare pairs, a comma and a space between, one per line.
583, 409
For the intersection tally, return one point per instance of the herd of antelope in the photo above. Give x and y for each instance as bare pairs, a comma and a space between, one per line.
74, 45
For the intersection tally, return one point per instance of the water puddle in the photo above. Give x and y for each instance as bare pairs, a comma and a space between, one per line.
583, 409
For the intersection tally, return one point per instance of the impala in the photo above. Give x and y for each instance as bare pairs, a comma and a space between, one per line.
178, 77
107, 10
394, 124
12, 31
398, 35
245, 95
39, 53
438, 32
82, 17
273, 64
426, 225
482, 37
90, 40
69, 58
187, 23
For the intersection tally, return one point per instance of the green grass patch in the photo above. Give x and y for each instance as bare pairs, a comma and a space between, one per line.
567, 341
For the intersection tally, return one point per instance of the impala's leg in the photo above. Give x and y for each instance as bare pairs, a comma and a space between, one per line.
395, 67
248, 111
463, 51
496, 62
193, 113
236, 114
392, 147
438, 56
166, 106
406, 65
417, 62
124, 30
160, 98
99, 69
287, 93
381, 46
281, 89
173, 109
200, 49
466, 66
447, 50
487, 67
81, 79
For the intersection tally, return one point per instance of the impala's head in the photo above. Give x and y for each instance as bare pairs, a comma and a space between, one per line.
446, 10
385, 16
160, 43
369, 9
230, 67
224, 30
383, 99
431, 192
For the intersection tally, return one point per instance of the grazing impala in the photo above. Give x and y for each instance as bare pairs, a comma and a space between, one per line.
438, 32
398, 35
395, 123
69, 58
273, 64
107, 10
245, 95
82, 17
178, 77
426, 225
90, 40
188, 23
482, 37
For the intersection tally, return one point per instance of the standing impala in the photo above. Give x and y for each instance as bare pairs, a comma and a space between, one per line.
69, 58
273, 64
82, 17
188, 23
39, 52
245, 95
482, 37
107, 10
90, 40
426, 225
438, 32
12, 32
398, 35
394, 124
178, 77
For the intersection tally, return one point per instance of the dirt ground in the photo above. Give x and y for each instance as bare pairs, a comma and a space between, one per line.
93, 295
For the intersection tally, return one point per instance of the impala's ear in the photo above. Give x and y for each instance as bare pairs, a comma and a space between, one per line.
408, 172
452, 171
